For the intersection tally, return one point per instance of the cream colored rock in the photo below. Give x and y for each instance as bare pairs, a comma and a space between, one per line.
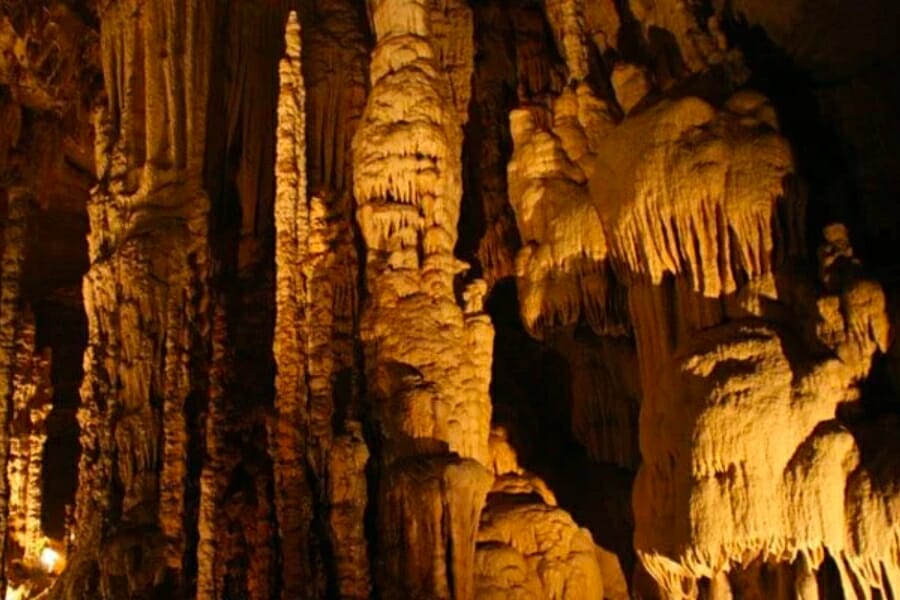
428, 359
711, 489
533, 550
528, 547
672, 182
561, 270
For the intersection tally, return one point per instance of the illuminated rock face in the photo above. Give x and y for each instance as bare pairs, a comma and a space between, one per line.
428, 359
32, 394
399, 298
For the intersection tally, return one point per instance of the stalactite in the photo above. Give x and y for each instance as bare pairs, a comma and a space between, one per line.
562, 270
567, 19
254, 43
605, 395
260, 418
538, 75
262, 561
451, 29
487, 136
682, 44
14, 237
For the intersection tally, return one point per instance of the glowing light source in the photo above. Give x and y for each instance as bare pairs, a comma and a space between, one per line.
49, 558
15, 593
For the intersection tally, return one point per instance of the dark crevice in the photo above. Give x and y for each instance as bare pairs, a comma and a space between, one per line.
823, 159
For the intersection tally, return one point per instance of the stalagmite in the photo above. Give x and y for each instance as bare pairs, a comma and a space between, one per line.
316, 312
31, 395
212, 478
11, 315
348, 497
528, 547
293, 500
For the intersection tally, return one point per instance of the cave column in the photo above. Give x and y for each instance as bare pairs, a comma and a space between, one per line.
427, 368
146, 299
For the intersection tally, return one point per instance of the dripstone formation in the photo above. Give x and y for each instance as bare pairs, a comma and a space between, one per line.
449, 299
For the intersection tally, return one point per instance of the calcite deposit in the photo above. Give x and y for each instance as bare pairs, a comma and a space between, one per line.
449, 299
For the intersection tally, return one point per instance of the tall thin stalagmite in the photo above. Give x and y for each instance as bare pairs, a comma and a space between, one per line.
11, 271
293, 495
319, 467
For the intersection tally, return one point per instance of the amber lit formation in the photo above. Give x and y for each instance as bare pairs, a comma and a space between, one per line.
446, 299
32, 395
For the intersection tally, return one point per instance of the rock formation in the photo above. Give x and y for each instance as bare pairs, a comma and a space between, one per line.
32, 394
448, 299
427, 358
